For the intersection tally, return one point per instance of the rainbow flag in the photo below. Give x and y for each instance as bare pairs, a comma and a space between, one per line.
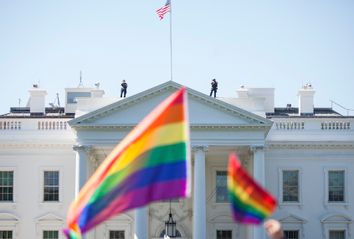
250, 203
151, 163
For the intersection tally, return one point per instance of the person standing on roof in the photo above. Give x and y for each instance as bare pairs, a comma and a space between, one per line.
214, 87
123, 90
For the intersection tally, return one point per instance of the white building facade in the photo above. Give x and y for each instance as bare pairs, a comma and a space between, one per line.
304, 156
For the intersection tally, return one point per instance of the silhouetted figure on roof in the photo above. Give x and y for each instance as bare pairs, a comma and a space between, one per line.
214, 87
123, 90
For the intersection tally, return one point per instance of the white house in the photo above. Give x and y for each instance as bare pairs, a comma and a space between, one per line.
303, 155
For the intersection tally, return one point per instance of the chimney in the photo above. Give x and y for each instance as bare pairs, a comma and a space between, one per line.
37, 100
306, 102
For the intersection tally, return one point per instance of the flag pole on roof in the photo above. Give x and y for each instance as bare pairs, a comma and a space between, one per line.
161, 13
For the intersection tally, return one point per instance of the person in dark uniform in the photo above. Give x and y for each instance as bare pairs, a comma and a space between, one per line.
214, 87
123, 90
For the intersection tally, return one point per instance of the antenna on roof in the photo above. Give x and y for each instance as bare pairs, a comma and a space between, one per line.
56, 102
80, 84
19, 102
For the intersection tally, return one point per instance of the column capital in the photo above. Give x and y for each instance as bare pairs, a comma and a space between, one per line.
203, 148
255, 148
84, 148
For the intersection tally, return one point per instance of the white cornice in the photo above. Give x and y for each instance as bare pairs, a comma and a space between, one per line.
310, 145
192, 126
35, 146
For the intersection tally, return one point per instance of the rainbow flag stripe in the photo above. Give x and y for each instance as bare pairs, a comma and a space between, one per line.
250, 203
151, 163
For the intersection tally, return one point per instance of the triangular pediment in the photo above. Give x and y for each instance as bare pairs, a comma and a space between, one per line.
8, 217
336, 218
203, 110
50, 217
292, 219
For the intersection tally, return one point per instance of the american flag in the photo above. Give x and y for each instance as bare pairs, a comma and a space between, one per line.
165, 9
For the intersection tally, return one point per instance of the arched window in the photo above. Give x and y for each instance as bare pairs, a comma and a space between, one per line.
162, 234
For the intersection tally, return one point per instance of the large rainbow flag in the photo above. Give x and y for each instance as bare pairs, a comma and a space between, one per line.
250, 203
151, 163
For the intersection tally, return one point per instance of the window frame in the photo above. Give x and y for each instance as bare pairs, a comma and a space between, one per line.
48, 231
214, 189
8, 230
14, 188
297, 230
225, 227
41, 191
326, 185
280, 188
337, 229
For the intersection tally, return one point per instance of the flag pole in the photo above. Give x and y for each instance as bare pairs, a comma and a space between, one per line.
171, 69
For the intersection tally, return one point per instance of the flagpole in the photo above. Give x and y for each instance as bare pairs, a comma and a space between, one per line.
171, 69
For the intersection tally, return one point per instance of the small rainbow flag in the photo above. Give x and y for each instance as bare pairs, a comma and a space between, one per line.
151, 163
250, 203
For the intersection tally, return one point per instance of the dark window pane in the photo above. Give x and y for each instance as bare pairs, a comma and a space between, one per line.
6, 185
221, 186
116, 235
223, 234
336, 186
293, 234
291, 186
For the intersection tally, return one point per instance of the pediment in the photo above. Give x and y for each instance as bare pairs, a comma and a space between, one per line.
8, 217
121, 218
50, 217
336, 218
203, 110
221, 219
292, 219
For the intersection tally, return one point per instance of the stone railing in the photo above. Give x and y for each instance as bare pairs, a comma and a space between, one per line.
289, 125
335, 125
10, 125
52, 125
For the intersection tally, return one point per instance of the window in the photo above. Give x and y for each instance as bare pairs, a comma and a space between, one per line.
51, 186
223, 234
72, 96
50, 234
291, 234
116, 235
5, 234
336, 186
162, 234
221, 186
6, 186
290, 186
337, 234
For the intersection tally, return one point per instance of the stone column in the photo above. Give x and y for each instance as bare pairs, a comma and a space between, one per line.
199, 197
141, 223
81, 166
259, 176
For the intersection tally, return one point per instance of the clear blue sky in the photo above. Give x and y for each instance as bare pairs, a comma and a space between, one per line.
280, 44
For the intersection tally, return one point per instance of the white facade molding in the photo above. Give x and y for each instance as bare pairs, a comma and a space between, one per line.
336, 221
123, 222
311, 145
9, 222
34, 145
294, 222
49, 222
